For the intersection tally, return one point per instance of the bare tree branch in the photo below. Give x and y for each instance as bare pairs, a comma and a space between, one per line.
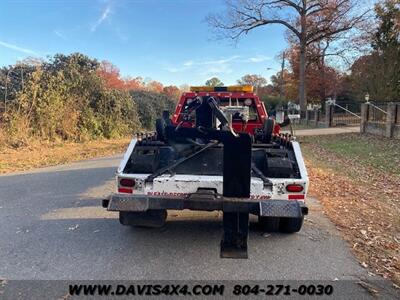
309, 21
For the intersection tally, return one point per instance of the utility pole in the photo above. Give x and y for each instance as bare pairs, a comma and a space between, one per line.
282, 82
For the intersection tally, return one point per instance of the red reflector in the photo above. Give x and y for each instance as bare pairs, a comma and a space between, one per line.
296, 197
127, 182
124, 190
294, 188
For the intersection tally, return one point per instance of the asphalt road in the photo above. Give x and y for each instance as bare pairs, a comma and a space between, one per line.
52, 226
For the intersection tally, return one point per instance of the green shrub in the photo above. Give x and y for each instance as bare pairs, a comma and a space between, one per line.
66, 99
150, 106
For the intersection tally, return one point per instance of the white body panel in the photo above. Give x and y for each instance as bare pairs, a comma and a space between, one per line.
181, 185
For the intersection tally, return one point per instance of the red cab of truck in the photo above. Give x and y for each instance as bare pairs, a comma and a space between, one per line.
227, 97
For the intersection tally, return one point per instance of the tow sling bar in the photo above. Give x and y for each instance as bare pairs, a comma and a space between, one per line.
236, 183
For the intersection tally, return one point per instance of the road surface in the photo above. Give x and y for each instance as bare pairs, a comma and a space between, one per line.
53, 227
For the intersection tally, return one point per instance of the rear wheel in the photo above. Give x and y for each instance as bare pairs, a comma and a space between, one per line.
150, 218
291, 225
269, 224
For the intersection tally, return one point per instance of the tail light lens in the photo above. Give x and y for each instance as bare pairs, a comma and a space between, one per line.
127, 182
294, 188
125, 190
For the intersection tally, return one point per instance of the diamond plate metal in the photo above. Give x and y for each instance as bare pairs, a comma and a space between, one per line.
121, 203
280, 208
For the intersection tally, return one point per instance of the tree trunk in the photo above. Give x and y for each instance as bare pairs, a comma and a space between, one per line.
282, 82
323, 76
303, 58
302, 79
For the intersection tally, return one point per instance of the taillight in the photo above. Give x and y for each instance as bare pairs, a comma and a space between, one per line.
125, 190
294, 188
127, 182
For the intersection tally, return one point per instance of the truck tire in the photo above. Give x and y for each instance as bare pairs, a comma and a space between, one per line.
291, 225
269, 224
268, 129
150, 218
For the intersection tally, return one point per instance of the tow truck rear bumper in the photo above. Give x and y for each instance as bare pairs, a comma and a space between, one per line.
206, 201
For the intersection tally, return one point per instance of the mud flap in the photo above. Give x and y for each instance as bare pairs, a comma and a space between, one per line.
236, 183
279, 208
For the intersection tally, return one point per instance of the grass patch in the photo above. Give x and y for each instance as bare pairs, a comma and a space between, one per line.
356, 178
379, 153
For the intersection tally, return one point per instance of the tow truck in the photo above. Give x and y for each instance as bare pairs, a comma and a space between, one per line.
218, 151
